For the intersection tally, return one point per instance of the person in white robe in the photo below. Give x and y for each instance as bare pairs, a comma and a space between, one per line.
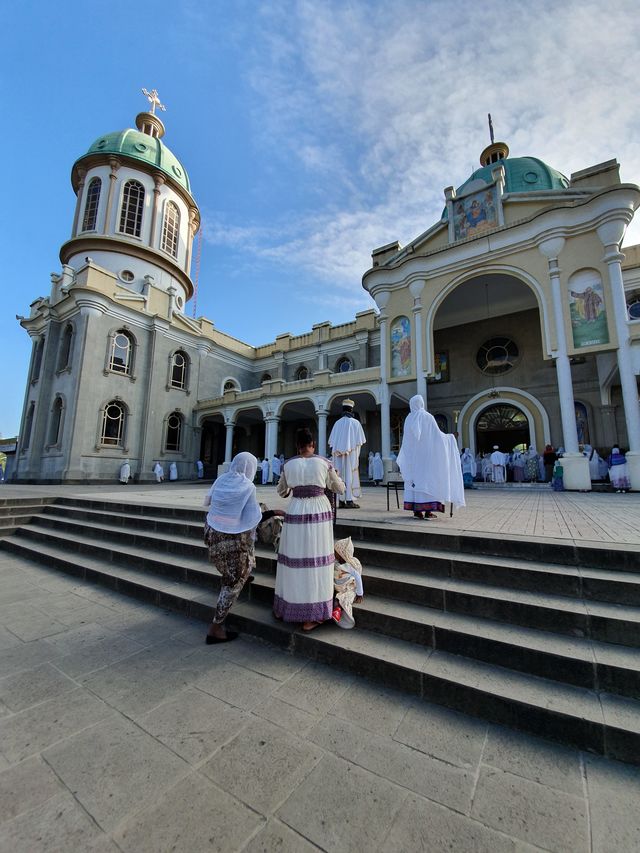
377, 469
304, 573
468, 467
429, 462
497, 465
276, 468
173, 471
370, 465
264, 468
158, 470
200, 468
125, 472
345, 440
595, 462
517, 464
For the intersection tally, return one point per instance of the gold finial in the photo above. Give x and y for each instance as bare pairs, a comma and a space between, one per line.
154, 100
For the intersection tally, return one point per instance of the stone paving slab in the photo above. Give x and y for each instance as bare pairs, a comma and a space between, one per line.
169, 744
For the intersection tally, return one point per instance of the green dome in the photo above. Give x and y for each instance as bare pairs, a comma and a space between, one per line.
522, 175
147, 149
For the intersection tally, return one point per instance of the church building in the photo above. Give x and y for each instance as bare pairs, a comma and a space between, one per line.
516, 316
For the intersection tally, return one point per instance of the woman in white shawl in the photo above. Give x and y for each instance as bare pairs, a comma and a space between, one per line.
430, 464
377, 469
229, 533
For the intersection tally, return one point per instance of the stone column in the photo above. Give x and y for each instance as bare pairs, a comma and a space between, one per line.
416, 288
76, 215
228, 448
574, 464
382, 300
611, 234
270, 435
115, 165
321, 414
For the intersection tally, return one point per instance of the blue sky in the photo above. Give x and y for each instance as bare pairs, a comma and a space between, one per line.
312, 132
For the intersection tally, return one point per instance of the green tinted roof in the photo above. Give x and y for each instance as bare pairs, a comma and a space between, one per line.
522, 175
147, 149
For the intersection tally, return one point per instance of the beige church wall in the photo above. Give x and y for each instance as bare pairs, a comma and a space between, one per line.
440, 240
517, 210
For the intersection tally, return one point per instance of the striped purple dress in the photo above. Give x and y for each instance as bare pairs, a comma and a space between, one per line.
304, 576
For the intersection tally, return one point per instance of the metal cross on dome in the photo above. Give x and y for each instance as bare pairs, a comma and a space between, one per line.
154, 100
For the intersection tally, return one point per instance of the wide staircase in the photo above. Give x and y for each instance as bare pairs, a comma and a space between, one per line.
540, 636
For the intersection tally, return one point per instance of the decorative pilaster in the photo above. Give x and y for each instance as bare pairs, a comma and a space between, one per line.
382, 300
76, 216
158, 180
416, 288
113, 176
575, 465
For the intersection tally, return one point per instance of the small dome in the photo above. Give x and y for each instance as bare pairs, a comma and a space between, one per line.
143, 147
522, 175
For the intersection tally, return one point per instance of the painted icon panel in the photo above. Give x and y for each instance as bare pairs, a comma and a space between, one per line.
401, 347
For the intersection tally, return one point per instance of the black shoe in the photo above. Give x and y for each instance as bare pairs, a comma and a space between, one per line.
352, 505
231, 635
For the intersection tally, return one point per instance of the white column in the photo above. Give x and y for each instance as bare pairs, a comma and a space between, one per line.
382, 299
574, 464
228, 448
416, 288
321, 449
611, 234
270, 435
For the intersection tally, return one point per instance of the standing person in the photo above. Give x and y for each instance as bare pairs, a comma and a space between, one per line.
158, 470
125, 472
370, 465
378, 469
549, 460
557, 475
346, 439
468, 467
264, 468
497, 465
304, 574
531, 465
200, 468
276, 468
234, 513
428, 464
173, 471
618, 470
517, 463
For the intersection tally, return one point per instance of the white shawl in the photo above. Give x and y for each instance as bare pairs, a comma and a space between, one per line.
232, 498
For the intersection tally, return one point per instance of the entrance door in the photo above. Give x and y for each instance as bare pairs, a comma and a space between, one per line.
503, 425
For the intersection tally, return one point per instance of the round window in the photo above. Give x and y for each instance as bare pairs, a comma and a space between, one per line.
344, 365
497, 355
101, 144
634, 309
127, 275
177, 171
180, 301
140, 146
531, 177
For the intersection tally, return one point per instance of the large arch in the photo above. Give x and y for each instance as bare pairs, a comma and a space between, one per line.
532, 408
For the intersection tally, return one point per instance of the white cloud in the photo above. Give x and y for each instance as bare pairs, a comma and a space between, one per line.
386, 104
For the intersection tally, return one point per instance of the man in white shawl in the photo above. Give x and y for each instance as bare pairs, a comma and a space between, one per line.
264, 468
125, 472
276, 468
346, 439
430, 464
498, 465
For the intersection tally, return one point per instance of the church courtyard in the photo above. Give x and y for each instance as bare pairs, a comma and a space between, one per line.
121, 731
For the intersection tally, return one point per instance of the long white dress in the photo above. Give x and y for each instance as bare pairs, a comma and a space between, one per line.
304, 575
345, 440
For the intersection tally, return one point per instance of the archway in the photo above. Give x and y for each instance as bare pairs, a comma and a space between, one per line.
501, 424
212, 445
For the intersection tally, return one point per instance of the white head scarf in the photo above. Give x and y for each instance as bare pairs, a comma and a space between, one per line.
234, 507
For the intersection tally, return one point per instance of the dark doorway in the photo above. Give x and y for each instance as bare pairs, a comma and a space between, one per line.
503, 425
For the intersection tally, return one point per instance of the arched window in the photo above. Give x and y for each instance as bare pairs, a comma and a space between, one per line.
91, 205
266, 377
302, 372
132, 207
56, 422
230, 385
113, 424
344, 365
171, 229
65, 348
28, 426
37, 361
179, 369
121, 355
174, 431
400, 333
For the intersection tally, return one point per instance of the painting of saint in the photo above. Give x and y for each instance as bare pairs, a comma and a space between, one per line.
440, 368
475, 213
588, 312
401, 347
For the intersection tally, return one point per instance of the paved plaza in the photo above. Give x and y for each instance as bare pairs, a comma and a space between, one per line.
121, 731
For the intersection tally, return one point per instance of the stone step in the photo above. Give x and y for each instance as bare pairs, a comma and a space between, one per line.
598, 722
577, 661
592, 584
612, 623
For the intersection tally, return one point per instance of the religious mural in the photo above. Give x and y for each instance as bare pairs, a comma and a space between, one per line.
588, 313
582, 423
401, 347
475, 213
440, 368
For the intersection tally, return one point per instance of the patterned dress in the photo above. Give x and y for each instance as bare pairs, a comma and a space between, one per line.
304, 576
